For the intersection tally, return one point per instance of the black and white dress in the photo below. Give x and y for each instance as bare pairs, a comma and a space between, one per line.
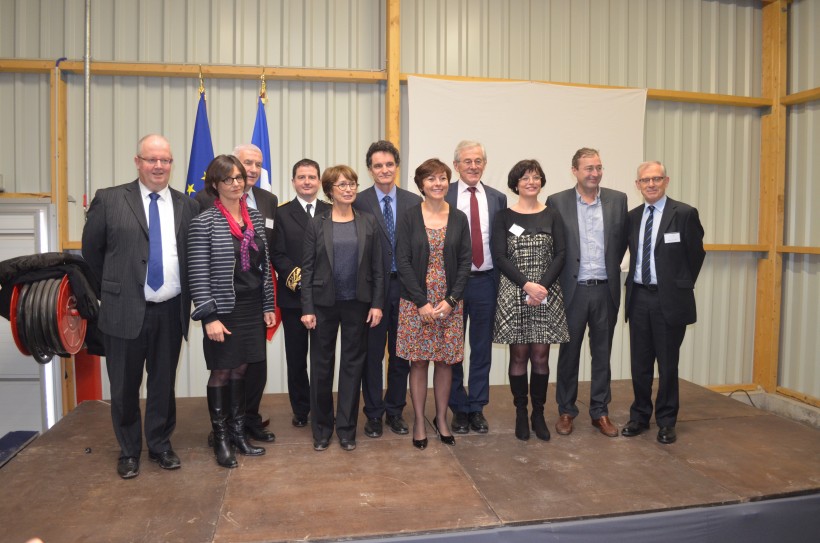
529, 248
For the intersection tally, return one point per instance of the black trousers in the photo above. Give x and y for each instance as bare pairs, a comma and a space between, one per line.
350, 316
256, 377
591, 306
296, 352
652, 338
395, 398
156, 350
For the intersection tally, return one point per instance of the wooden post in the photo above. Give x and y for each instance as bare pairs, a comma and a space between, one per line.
772, 195
58, 149
392, 100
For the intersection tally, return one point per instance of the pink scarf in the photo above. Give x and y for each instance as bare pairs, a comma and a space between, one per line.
236, 231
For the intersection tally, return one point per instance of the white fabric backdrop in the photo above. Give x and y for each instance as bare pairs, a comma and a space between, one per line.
518, 120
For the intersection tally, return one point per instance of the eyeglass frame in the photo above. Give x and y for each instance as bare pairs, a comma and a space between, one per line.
163, 161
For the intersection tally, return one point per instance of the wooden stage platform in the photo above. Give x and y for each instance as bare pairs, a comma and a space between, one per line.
64, 485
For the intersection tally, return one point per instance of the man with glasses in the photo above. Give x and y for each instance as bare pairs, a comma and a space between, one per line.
480, 203
595, 230
135, 241
666, 255
289, 240
388, 204
266, 203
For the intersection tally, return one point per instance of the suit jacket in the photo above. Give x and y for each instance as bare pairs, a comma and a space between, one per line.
318, 286
613, 204
115, 245
266, 204
367, 201
288, 245
677, 264
496, 201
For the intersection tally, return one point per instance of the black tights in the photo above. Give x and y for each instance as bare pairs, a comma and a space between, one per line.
537, 353
220, 378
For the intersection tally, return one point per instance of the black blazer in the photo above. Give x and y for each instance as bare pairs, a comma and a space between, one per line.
367, 202
266, 204
677, 264
318, 287
413, 255
115, 245
288, 244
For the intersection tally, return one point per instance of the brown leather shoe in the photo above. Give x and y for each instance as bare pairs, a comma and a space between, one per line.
605, 426
564, 425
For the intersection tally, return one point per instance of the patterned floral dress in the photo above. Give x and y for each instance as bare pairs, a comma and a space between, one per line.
443, 340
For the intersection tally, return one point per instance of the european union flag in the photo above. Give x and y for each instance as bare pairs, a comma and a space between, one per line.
202, 149
260, 139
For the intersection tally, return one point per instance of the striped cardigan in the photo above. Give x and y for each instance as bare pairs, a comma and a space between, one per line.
211, 264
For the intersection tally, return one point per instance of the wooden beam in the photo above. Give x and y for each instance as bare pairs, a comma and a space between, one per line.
21, 66
802, 97
392, 97
12, 195
58, 158
799, 396
772, 196
798, 250
736, 248
726, 389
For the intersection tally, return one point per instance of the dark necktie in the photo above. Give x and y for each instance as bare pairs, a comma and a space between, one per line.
475, 230
308, 208
387, 211
646, 270
155, 275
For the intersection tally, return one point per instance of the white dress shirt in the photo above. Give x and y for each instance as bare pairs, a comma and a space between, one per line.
484, 217
171, 285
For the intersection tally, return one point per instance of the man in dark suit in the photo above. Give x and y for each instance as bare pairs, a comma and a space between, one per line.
135, 240
595, 230
480, 203
266, 203
289, 240
387, 203
666, 255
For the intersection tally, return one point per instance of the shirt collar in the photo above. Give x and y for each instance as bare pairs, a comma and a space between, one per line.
304, 202
659, 205
164, 194
380, 195
580, 199
462, 187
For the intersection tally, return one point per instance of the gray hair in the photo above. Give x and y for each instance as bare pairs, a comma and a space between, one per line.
468, 144
245, 147
648, 163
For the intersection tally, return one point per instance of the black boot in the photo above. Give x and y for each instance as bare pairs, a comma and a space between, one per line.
538, 394
218, 408
518, 386
236, 425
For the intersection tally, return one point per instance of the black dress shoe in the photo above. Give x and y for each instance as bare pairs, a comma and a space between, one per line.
420, 444
478, 423
667, 435
320, 444
166, 460
461, 423
128, 467
299, 421
347, 444
634, 428
397, 424
447, 440
373, 427
258, 433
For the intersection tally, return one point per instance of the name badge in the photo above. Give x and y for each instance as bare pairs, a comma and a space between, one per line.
671, 237
516, 230
268, 223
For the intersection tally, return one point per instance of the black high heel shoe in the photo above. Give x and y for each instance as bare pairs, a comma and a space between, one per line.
420, 444
447, 440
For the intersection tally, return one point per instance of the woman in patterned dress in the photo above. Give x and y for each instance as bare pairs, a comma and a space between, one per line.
528, 248
433, 261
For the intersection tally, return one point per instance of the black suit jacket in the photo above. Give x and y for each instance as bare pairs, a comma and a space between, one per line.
115, 245
677, 264
266, 204
367, 201
318, 287
288, 244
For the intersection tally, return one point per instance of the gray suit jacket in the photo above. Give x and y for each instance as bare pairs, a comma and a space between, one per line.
115, 245
613, 203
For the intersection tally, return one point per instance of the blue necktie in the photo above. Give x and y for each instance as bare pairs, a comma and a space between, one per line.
646, 270
387, 210
155, 275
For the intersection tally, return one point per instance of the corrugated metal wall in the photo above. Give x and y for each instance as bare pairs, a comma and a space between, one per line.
712, 152
799, 340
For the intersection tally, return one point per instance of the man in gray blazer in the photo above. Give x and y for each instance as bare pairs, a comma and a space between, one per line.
387, 203
135, 241
595, 229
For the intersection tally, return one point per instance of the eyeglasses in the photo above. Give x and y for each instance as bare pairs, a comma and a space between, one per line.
646, 180
346, 185
535, 178
479, 162
228, 181
163, 161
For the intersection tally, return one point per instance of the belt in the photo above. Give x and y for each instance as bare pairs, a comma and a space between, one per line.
393, 275
479, 273
650, 288
150, 304
593, 282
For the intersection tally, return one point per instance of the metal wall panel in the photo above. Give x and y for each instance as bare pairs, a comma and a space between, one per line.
799, 340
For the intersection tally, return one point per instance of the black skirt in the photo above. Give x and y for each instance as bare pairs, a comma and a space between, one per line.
246, 344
